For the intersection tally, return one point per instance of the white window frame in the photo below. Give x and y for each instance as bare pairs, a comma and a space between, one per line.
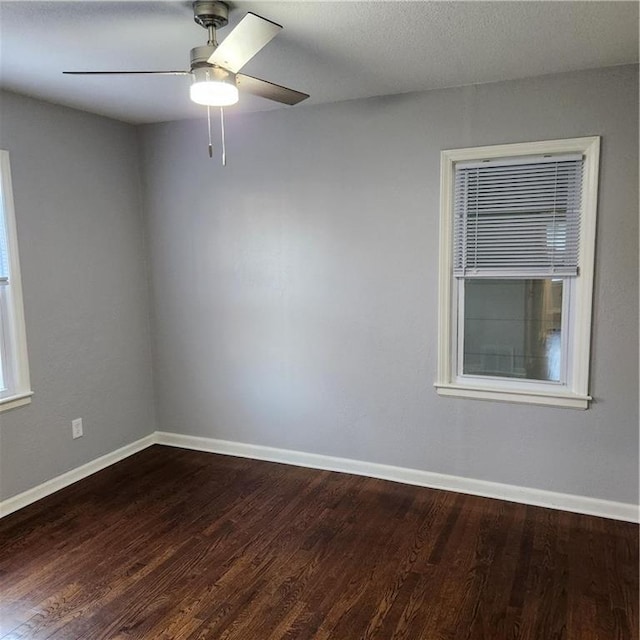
574, 393
12, 328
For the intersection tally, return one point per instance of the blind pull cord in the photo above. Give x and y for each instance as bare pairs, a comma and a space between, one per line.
475, 237
554, 230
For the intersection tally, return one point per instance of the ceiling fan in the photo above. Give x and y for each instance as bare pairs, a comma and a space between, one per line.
214, 67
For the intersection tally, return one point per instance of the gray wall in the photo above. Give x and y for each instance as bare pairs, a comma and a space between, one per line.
77, 198
294, 292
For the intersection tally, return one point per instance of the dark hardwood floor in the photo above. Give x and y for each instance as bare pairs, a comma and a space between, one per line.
174, 544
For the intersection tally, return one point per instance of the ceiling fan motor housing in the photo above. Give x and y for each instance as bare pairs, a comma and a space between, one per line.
200, 56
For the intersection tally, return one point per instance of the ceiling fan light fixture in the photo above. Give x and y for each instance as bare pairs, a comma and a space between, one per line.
213, 87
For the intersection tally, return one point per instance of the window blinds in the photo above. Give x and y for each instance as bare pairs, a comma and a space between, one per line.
518, 217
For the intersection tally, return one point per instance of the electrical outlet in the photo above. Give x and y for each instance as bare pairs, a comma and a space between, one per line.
76, 428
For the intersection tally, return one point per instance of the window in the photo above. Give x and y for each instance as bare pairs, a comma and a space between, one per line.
517, 240
14, 371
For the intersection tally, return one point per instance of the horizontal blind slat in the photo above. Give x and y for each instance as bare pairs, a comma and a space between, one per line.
527, 160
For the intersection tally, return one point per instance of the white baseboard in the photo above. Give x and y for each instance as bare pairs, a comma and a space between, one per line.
59, 482
524, 495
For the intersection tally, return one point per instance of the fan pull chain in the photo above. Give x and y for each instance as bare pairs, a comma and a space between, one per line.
224, 148
209, 127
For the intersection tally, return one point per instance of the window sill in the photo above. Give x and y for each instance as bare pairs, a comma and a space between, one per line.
568, 400
12, 402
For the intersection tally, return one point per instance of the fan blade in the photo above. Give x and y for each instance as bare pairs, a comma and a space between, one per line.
250, 35
269, 90
122, 73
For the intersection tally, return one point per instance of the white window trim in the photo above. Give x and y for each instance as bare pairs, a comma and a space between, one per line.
15, 330
575, 394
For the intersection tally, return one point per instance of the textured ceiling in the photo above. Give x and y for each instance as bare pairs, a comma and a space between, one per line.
332, 50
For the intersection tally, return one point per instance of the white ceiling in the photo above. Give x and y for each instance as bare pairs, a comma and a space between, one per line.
332, 50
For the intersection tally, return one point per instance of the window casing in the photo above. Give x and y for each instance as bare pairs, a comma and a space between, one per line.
15, 388
515, 319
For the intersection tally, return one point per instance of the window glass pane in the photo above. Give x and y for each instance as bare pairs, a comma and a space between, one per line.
3, 381
4, 273
513, 328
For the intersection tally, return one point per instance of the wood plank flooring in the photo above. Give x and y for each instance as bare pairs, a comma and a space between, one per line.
180, 545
